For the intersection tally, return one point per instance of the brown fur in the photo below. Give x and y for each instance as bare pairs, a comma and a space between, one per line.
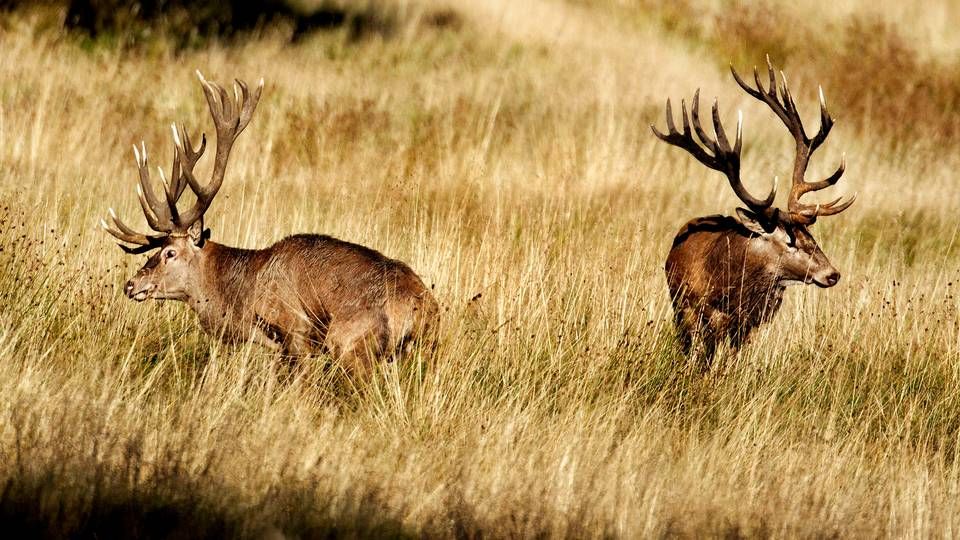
304, 294
726, 279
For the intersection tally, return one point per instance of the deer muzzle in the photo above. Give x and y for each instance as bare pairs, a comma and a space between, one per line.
135, 292
826, 279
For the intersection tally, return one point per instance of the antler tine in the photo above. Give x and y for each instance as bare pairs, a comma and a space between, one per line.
701, 133
147, 212
730, 158
169, 189
139, 239
772, 74
826, 123
228, 107
786, 98
790, 106
191, 155
824, 209
721, 136
738, 144
683, 114
833, 208
671, 128
805, 187
825, 118
249, 103
685, 140
174, 190
770, 97
184, 157
128, 235
191, 181
157, 214
746, 87
145, 192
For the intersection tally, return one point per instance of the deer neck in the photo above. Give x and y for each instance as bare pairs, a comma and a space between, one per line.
745, 268
223, 288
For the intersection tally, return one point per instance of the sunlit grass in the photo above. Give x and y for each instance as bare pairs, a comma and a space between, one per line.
510, 163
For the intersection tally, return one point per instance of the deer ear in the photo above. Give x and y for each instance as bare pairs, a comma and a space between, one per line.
197, 233
751, 221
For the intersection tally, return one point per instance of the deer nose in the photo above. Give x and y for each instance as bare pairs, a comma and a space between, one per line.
833, 278
128, 288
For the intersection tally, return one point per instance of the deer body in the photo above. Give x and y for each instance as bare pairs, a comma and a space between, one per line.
720, 278
727, 275
306, 293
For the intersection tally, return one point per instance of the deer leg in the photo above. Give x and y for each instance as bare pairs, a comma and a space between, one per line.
714, 327
290, 337
269, 335
263, 339
686, 323
296, 345
738, 336
357, 342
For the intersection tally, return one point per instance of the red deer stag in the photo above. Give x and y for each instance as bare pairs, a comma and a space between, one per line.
303, 294
727, 275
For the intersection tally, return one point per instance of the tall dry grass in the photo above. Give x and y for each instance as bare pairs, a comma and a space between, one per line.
510, 163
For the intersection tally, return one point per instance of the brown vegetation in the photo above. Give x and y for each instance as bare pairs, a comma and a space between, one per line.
511, 163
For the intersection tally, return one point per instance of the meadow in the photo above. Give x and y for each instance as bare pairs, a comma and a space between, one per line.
506, 155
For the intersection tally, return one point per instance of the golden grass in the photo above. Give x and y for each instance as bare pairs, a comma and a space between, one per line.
510, 163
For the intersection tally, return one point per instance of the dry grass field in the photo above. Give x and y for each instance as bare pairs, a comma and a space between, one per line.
507, 157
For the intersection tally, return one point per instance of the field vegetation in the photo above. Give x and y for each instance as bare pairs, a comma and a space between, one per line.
503, 150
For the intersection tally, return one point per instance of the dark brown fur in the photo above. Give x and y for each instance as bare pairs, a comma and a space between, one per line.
715, 285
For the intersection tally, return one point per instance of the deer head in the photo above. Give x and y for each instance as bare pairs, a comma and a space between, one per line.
180, 236
783, 238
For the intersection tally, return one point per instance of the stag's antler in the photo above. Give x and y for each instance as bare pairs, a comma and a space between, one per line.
715, 153
784, 107
230, 117
230, 120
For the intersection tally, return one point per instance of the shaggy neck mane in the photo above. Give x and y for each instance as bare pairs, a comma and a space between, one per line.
748, 282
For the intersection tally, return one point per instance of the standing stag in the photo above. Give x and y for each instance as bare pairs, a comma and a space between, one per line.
305, 293
727, 275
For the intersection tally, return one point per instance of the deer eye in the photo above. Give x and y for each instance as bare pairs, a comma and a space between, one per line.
170, 253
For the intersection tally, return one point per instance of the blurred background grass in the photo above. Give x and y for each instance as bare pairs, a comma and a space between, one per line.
502, 149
